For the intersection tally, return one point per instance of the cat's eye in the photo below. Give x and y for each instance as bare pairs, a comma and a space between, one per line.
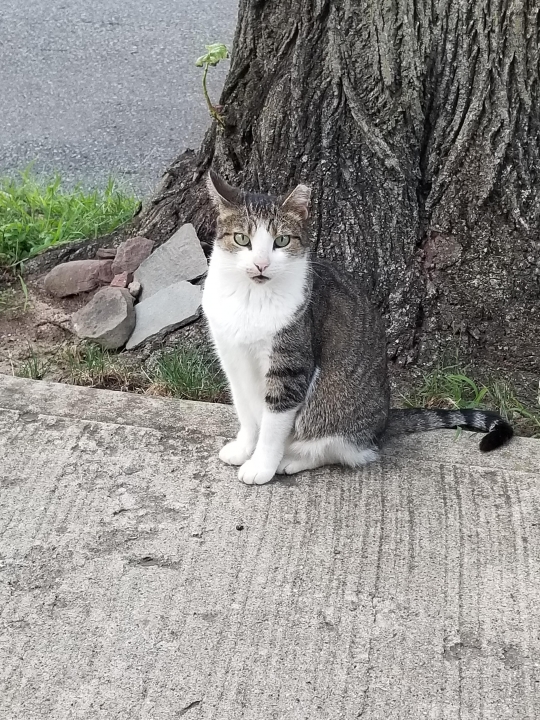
282, 241
241, 239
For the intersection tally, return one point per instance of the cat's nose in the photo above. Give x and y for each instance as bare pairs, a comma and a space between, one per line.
261, 265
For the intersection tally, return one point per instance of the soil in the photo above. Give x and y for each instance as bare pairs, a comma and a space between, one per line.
40, 326
39, 329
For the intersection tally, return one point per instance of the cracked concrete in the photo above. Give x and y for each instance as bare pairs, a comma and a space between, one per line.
139, 579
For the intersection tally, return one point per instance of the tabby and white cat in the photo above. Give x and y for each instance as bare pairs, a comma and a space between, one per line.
303, 349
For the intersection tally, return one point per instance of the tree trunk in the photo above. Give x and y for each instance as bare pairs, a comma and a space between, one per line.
417, 125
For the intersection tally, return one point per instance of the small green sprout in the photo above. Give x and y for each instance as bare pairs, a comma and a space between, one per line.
216, 52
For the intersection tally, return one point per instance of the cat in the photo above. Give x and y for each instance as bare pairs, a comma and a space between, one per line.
303, 349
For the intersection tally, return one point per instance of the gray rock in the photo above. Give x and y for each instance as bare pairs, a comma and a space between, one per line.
180, 258
165, 311
135, 288
108, 319
131, 254
78, 276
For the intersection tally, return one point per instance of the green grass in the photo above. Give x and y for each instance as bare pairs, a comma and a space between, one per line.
452, 388
37, 214
90, 365
34, 367
190, 374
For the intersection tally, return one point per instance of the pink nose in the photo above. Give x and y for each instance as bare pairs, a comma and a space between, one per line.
261, 265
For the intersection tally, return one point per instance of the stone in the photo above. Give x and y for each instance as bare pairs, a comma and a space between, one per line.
108, 319
122, 280
166, 310
135, 288
404, 590
78, 276
106, 253
131, 253
180, 258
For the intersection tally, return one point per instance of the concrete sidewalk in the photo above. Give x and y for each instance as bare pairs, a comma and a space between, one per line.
140, 579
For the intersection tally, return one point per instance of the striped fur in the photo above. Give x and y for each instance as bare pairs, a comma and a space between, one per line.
419, 420
302, 347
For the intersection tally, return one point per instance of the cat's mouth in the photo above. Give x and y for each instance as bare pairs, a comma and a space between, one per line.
260, 278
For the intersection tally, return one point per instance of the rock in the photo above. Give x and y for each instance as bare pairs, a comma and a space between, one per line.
131, 253
122, 280
85, 249
135, 288
165, 311
180, 258
108, 319
106, 253
78, 276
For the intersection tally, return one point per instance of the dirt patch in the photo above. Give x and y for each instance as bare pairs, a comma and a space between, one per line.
34, 324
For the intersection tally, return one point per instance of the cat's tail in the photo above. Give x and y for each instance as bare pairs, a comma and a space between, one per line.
419, 420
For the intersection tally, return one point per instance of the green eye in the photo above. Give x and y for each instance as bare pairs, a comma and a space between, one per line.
282, 241
241, 239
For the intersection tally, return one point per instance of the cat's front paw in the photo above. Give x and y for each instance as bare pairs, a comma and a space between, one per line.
234, 453
253, 473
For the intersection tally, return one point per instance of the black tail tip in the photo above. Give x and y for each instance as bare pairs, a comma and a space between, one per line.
499, 434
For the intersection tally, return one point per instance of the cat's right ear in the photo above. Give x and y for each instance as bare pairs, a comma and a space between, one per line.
224, 195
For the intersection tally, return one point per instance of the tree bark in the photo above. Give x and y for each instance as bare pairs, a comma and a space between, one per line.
417, 125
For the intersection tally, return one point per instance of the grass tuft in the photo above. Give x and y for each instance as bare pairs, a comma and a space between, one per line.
452, 388
90, 365
38, 214
189, 374
34, 368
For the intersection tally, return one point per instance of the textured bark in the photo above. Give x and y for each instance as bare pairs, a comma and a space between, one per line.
417, 124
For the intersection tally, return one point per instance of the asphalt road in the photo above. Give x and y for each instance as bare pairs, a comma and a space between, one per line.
105, 87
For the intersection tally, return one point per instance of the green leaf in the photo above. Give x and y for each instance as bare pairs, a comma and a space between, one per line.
215, 53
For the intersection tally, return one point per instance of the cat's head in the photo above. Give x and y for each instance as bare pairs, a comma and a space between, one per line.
261, 235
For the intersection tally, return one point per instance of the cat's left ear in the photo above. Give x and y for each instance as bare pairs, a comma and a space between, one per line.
298, 202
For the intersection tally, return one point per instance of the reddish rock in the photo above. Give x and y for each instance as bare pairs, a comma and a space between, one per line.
122, 280
106, 253
131, 253
78, 276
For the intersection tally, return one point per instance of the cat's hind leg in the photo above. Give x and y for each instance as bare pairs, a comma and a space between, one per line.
330, 450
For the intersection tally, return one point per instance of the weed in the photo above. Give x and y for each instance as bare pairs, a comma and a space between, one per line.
526, 421
447, 387
34, 367
25, 293
452, 388
214, 53
36, 214
190, 374
90, 365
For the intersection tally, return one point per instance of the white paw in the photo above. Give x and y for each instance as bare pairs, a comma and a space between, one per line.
253, 473
234, 453
290, 466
